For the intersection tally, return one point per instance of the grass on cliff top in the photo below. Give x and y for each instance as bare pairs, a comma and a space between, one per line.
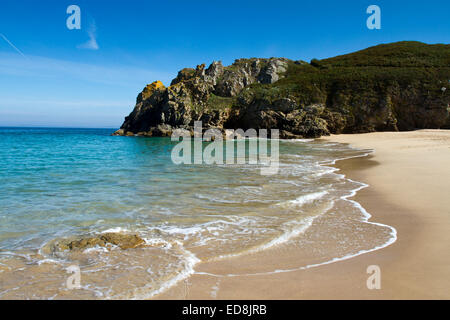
398, 54
372, 69
219, 103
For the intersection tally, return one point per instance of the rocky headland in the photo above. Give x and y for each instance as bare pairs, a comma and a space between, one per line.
392, 87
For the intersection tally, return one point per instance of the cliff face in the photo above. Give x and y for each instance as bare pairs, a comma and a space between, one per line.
399, 86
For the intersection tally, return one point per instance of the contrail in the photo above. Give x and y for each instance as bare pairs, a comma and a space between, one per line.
13, 46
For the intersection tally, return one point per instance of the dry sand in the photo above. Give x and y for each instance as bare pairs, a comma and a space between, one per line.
409, 178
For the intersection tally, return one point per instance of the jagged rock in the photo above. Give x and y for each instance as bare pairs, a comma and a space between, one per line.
119, 132
200, 71
149, 90
244, 72
158, 109
214, 71
285, 105
272, 72
183, 75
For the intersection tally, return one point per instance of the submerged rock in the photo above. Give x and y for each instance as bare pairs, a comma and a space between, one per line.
124, 241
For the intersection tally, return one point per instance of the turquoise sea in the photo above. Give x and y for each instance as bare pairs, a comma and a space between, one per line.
63, 183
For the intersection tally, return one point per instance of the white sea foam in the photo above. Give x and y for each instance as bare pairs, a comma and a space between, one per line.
157, 241
116, 230
333, 162
48, 260
180, 230
324, 172
307, 198
190, 260
297, 140
95, 249
14, 254
301, 227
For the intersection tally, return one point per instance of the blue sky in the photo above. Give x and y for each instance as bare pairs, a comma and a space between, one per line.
53, 76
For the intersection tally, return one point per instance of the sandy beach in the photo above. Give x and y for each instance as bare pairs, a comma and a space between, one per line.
409, 182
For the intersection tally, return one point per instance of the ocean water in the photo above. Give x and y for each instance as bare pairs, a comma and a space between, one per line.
65, 183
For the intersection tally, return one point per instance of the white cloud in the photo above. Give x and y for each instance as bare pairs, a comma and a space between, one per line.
91, 44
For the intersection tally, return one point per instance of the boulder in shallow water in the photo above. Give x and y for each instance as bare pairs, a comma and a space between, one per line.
124, 241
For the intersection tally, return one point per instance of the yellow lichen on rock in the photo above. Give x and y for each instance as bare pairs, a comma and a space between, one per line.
150, 88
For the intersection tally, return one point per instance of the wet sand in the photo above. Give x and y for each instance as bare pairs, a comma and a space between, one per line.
409, 178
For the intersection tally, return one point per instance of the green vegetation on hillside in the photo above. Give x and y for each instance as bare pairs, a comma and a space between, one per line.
375, 68
219, 103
